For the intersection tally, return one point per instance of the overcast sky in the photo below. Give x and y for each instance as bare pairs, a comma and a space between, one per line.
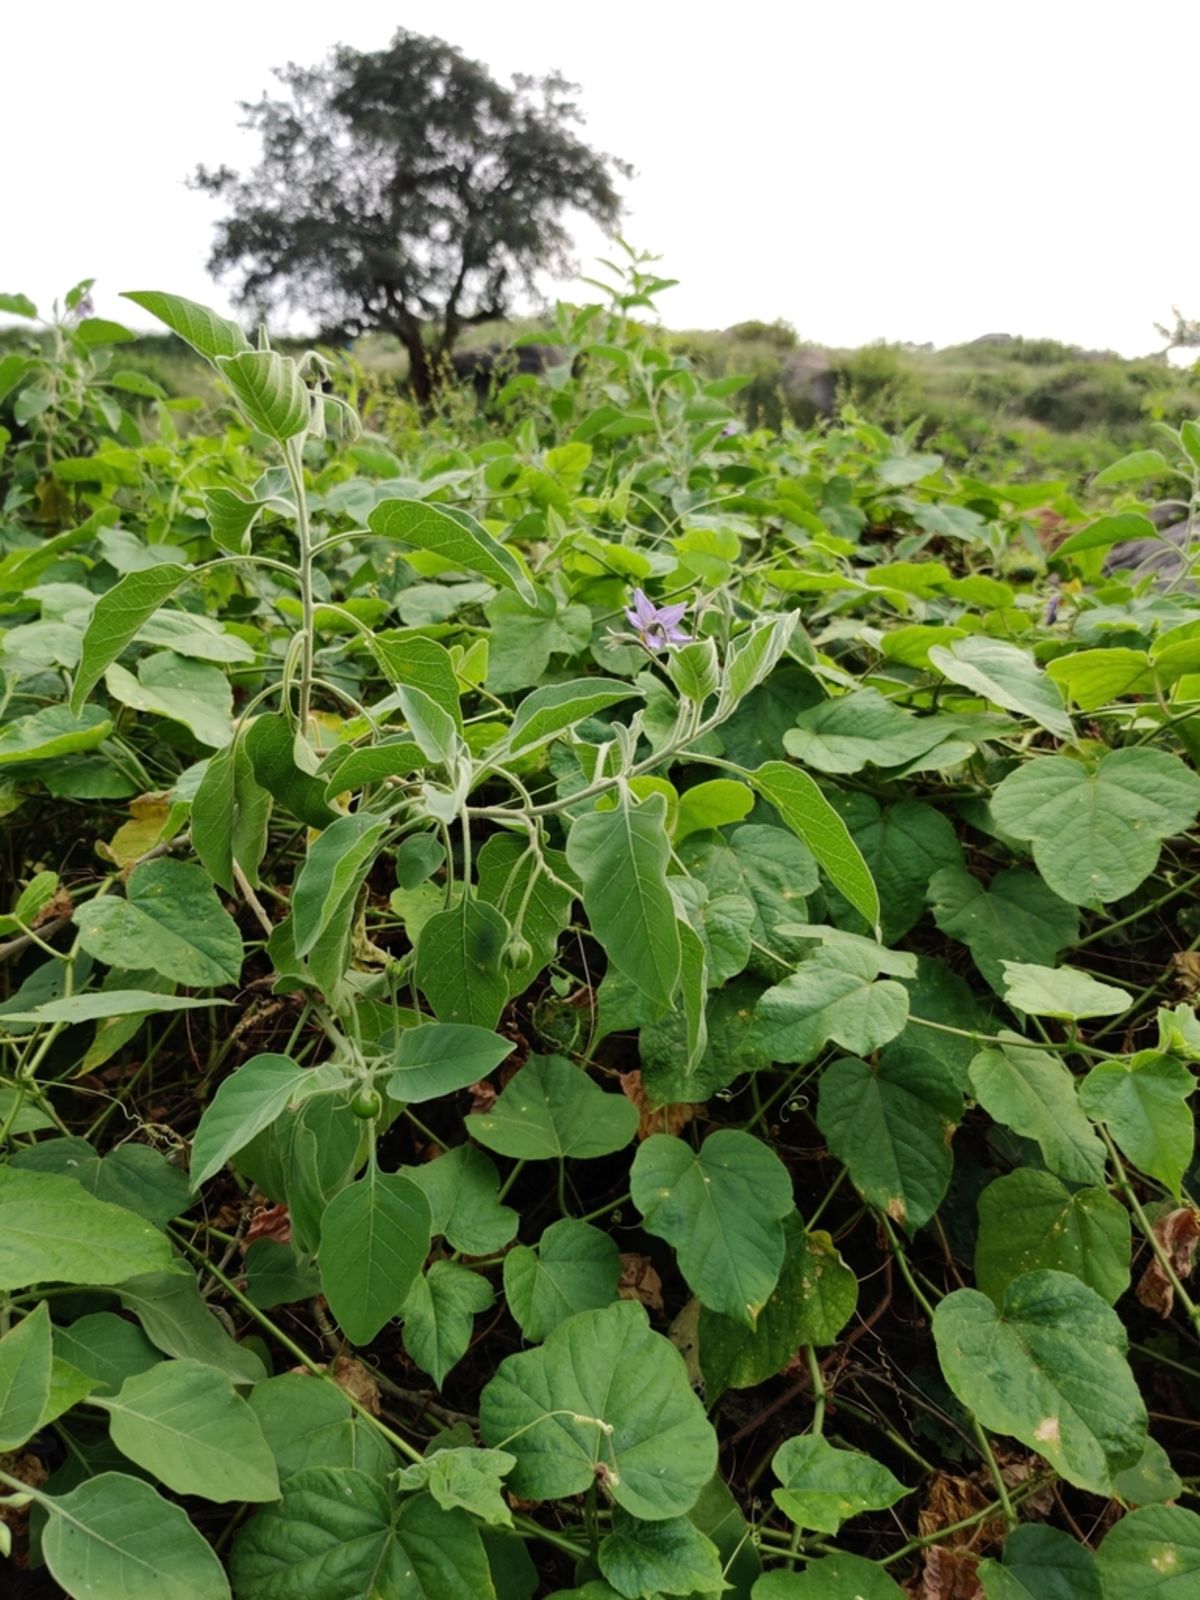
871, 170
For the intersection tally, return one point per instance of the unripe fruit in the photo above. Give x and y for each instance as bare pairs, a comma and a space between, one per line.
367, 1104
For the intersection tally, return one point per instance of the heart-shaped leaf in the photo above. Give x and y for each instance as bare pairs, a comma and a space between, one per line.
605, 1398
1049, 1368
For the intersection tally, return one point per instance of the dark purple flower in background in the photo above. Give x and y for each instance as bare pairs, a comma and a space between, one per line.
657, 625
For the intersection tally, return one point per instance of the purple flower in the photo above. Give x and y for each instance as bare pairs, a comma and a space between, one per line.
657, 625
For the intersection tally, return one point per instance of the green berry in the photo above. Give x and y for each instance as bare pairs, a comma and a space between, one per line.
367, 1104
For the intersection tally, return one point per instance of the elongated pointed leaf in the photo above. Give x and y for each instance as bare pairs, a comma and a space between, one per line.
206, 332
436, 1058
620, 857
25, 1360
55, 1232
375, 1236
116, 619
551, 710
115, 1535
248, 1101
184, 1423
269, 390
454, 536
809, 815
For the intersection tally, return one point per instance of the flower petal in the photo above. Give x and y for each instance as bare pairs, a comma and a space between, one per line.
670, 615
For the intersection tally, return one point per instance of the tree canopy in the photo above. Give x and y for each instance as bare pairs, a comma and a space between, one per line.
406, 190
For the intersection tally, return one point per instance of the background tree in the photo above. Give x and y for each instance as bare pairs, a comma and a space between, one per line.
1185, 335
406, 190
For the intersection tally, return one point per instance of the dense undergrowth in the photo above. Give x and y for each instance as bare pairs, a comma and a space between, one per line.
596, 1003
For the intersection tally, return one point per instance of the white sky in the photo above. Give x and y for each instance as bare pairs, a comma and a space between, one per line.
863, 169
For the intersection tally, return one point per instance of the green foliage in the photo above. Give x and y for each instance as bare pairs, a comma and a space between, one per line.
643, 936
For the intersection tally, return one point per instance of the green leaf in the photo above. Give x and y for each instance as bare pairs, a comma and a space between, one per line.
230, 816
1041, 1563
643, 1560
575, 1268
904, 846
834, 996
438, 1058
188, 692
620, 857
116, 619
811, 1304
308, 1423
839, 1575
1096, 835
455, 537
462, 1188
169, 1307
1028, 1220
1137, 464
25, 1357
458, 966
326, 893
754, 655
434, 730
695, 669
277, 1276
169, 922
810, 816
231, 517
419, 663
714, 804
375, 1236
1118, 528
184, 1423
1143, 1101
270, 744
1005, 675
551, 1109
55, 1232
1048, 1368
891, 1123
270, 391
106, 1347
504, 865
1060, 992
79, 1008
768, 867
207, 333
439, 1316
824, 1486
46, 735
604, 1397
722, 1208
114, 1535
17, 305
551, 710
246, 1102
1153, 1552
1034, 1094
861, 729
464, 1477
1094, 678
1150, 1481
1015, 916
339, 1535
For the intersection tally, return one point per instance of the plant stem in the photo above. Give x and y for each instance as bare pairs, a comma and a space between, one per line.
294, 457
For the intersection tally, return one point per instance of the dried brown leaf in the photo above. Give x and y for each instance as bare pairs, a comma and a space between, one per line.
654, 1119
1178, 1233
